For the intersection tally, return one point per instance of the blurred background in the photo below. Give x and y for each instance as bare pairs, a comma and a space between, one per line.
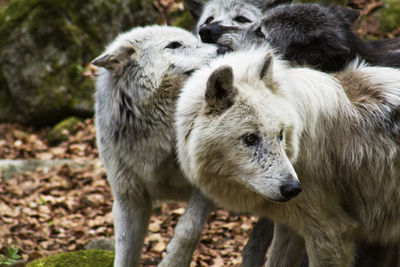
54, 195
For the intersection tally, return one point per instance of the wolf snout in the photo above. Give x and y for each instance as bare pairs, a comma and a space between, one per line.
290, 189
210, 33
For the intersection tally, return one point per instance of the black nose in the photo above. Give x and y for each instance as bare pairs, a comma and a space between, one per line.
290, 189
223, 49
210, 33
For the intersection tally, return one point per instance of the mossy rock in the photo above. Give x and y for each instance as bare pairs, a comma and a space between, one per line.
337, 2
80, 258
185, 21
62, 130
45, 48
389, 15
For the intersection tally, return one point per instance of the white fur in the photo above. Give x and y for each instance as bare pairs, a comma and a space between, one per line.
341, 136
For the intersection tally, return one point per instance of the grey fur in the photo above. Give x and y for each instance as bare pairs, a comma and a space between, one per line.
139, 80
313, 35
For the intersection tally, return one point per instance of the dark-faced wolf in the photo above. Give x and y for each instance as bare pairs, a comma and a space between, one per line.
315, 35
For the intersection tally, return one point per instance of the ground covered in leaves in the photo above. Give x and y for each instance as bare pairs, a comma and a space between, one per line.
50, 210
56, 209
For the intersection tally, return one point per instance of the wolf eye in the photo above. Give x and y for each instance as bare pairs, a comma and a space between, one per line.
209, 19
259, 33
250, 139
280, 136
130, 51
174, 45
241, 19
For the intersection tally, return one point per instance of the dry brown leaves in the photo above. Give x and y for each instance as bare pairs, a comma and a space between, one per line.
53, 210
18, 142
369, 26
47, 211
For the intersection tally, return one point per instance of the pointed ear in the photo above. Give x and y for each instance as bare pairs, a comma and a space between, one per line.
220, 91
266, 70
114, 60
107, 61
350, 15
195, 7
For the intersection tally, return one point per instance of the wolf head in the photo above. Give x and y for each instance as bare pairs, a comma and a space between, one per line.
216, 15
144, 56
314, 35
236, 132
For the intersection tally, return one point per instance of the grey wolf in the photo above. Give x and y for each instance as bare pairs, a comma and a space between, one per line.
249, 123
140, 75
315, 35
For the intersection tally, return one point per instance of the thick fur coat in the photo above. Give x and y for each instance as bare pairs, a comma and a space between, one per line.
337, 134
315, 35
140, 77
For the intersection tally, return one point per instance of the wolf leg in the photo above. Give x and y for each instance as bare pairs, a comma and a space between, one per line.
258, 243
330, 248
287, 249
188, 231
131, 219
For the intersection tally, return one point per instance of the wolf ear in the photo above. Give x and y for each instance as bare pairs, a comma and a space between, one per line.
268, 4
195, 7
220, 92
350, 15
107, 61
266, 70
114, 60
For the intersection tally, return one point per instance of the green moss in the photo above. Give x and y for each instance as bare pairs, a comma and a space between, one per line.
80, 258
62, 130
45, 46
338, 2
185, 21
389, 15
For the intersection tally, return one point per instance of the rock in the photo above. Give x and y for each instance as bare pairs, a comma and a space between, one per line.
62, 130
101, 243
389, 15
337, 2
45, 50
10, 167
185, 21
80, 258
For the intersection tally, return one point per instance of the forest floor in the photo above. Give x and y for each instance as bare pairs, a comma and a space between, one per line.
53, 209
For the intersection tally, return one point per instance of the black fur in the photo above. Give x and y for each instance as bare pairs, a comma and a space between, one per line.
315, 35
321, 36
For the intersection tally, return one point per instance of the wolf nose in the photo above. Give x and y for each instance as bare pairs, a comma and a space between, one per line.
290, 189
210, 33
223, 49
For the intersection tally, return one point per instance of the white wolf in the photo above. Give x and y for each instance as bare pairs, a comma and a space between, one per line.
244, 125
137, 87
236, 25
